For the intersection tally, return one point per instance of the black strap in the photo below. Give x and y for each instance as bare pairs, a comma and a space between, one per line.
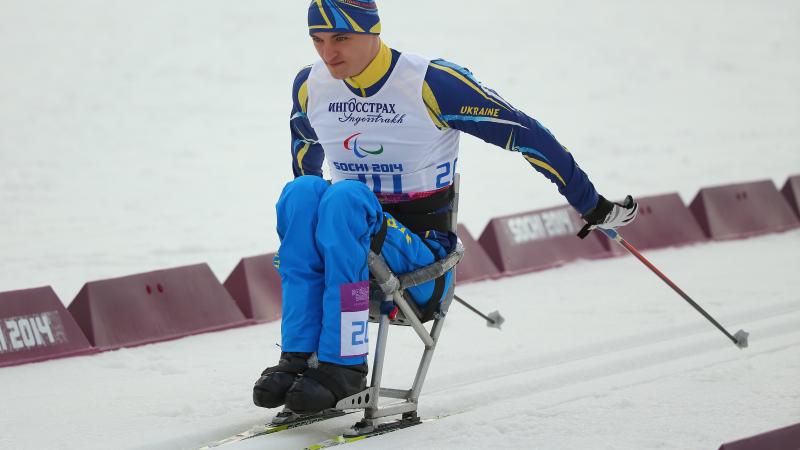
420, 223
427, 204
433, 304
420, 216
429, 213
377, 240
438, 289
585, 231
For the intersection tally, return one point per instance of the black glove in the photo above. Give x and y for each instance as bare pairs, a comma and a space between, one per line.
608, 215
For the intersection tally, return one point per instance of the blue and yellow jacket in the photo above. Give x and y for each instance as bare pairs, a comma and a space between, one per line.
454, 99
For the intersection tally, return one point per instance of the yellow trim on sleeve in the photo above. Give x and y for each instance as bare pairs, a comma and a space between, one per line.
469, 83
510, 144
432, 106
545, 166
302, 96
300, 155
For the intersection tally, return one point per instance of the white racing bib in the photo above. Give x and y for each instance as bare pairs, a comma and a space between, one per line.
388, 140
354, 337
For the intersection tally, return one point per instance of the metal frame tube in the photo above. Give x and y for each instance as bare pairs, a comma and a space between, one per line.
392, 286
427, 355
390, 410
401, 394
425, 363
380, 351
412, 318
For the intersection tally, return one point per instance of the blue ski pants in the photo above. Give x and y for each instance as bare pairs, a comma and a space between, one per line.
325, 232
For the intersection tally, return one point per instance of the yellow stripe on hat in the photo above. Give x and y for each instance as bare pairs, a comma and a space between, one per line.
545, 166
353, 23
328, 24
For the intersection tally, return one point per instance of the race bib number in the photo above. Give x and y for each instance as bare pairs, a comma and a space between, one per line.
355, 316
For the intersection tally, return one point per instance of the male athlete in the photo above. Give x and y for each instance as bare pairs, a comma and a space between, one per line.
388, 124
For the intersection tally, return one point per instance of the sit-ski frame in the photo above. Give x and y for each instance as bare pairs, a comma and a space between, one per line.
392, 287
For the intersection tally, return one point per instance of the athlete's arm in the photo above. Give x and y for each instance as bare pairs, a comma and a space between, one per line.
455, 99
307, 154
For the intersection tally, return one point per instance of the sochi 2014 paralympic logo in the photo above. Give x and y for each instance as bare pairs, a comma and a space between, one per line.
351, 143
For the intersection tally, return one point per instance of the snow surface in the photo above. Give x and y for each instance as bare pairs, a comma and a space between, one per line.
141, 135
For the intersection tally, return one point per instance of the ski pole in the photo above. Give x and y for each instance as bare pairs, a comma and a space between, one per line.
740, 338
493, 320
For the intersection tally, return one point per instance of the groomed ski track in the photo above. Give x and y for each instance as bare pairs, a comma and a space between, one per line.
518, 399
594, 354
545, 384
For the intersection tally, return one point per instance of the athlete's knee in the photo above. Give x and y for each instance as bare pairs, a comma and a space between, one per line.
306, 185
349, 194
305, 189
346, 202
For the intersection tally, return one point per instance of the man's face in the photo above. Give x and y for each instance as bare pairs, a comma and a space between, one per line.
346, 54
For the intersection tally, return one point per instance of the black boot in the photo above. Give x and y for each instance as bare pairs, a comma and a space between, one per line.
270, 390
321, 388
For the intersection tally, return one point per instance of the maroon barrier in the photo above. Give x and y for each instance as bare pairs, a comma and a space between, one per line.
476, 264
154, 306
35, 326
539, 240
791, 192
782, 439
742, 210
662, 221
256, 287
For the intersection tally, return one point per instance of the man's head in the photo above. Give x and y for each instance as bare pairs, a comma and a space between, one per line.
346, 54
345, 34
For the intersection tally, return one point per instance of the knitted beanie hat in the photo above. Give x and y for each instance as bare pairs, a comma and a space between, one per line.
346, 16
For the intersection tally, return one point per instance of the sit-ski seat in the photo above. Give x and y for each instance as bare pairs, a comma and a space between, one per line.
391, 305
